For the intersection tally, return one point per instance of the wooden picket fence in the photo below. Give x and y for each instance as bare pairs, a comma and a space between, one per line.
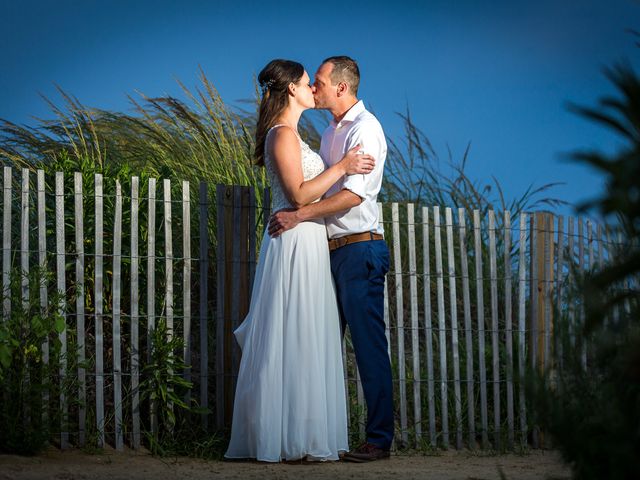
468, 306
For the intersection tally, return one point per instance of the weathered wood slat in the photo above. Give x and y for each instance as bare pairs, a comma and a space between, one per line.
186, 284
495, 346
24, 237
477, 235
444, 394
571, 265
533, 302
135, 312
168, 262
6, 241
508, 325
361, 404
428, 329
547, 291
387, 330
397, 267
232, 355
204, 297
80, 300
346, 376
24, 263
115, 324
98, 298
266, 208
453, 309
559, 328
466, 302
42, 263
253, 233
168, 246
415, 334
522, 289
151, 286
221, 193
62, 289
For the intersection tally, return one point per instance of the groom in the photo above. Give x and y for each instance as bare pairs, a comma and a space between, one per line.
359, 255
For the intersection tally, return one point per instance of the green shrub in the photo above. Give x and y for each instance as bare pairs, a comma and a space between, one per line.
26, 376
593, 412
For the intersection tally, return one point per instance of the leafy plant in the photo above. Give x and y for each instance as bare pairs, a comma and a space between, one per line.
594, 414
27, 377
165, 388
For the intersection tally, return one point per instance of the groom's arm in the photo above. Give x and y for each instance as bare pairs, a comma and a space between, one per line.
284, 220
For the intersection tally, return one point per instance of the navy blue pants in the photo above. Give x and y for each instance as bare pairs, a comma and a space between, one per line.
358, 271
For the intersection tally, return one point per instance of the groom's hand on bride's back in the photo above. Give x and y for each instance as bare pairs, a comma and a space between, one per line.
281, 221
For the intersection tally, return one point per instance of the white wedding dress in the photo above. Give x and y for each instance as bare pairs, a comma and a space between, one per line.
290, 397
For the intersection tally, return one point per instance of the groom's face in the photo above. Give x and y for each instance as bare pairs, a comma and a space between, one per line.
324, 94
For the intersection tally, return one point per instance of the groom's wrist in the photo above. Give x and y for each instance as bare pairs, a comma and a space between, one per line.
302, 214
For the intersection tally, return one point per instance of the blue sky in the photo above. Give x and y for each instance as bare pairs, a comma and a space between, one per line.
497, 74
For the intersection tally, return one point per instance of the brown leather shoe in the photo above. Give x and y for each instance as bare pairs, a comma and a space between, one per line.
367, 452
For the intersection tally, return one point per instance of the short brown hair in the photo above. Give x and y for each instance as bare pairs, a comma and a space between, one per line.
345, 69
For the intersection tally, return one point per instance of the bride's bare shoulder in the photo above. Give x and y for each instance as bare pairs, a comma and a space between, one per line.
282, 137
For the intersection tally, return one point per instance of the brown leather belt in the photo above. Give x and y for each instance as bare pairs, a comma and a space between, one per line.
355, 238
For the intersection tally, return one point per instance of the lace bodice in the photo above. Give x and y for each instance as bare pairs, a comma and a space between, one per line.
312, 166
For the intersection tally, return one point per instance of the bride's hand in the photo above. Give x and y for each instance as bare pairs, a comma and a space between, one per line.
355, 162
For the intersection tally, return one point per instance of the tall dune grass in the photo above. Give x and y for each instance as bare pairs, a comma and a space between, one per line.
202, 137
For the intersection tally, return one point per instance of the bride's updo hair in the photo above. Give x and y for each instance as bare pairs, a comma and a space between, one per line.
274, 80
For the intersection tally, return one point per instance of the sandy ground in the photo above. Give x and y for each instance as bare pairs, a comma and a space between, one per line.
76, 465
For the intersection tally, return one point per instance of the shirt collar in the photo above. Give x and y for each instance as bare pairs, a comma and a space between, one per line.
351, 114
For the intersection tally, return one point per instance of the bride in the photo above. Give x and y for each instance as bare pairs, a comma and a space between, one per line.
290, 399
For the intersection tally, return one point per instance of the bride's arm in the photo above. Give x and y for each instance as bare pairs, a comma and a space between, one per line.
286, 155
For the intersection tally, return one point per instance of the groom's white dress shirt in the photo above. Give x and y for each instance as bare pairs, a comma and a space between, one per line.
357, 127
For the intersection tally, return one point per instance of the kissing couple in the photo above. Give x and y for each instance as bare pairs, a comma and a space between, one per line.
321, 269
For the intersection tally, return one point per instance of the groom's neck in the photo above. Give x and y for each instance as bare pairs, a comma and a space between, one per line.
342, 107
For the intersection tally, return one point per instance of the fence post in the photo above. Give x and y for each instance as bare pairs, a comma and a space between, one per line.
135, 318
6, 243
151, 287
42, 262
204, 289
235, 226
522, 287
80, 299
115, 319
61, 282
508, 321
186, 284
454, 326
495, 345
415, 334
442, 334
24, 238
397, 267
466, 298
98, 295
477, 236
428, 329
